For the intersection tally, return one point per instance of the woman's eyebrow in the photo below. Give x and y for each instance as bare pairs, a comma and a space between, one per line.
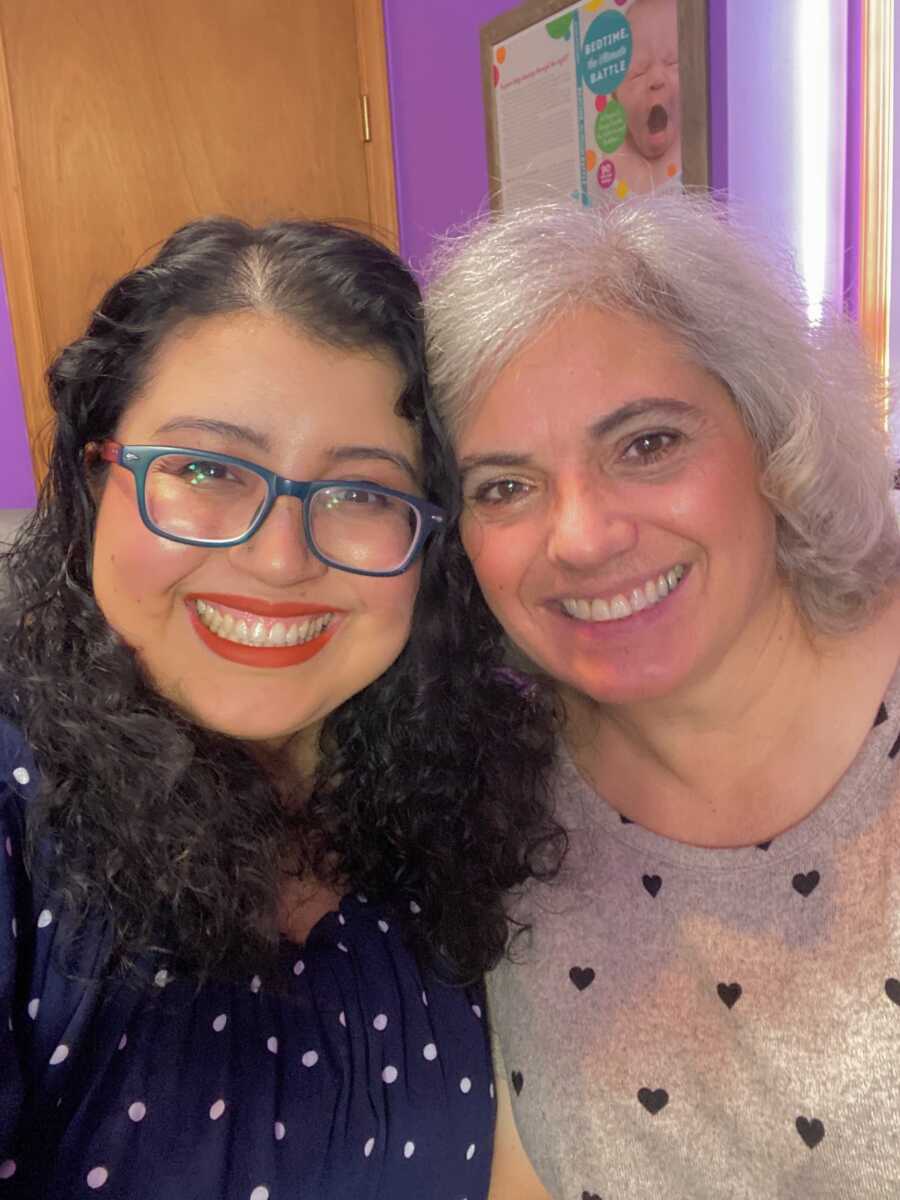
227, 429
647, 406
492, 459
363, 453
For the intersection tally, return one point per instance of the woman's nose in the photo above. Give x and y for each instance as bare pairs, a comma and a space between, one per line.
278, 553
588, 527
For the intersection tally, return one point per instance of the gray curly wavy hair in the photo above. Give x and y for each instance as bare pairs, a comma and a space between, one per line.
806, 393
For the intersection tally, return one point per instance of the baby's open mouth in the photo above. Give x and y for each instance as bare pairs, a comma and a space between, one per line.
657, 120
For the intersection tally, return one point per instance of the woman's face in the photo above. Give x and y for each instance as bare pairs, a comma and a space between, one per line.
613, 513
254, 387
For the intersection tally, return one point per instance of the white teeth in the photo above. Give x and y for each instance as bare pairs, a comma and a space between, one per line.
258, 633
620, 606
599, 610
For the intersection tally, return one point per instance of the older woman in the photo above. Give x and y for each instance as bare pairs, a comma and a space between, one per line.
676, 500
255, 836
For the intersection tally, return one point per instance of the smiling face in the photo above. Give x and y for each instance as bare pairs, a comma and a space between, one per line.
651, 91
613, 513
254, 387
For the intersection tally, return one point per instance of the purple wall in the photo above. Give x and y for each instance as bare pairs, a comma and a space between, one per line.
439, 147
16, 480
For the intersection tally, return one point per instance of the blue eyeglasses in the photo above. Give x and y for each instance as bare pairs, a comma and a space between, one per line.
204, 499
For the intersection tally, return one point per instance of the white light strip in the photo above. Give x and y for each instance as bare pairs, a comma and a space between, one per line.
814, 144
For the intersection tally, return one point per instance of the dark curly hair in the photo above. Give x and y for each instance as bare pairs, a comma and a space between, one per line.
430, 781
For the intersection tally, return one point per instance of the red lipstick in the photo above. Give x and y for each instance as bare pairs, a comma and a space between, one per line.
261, 656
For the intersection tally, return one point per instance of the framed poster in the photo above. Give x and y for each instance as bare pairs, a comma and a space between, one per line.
603, 99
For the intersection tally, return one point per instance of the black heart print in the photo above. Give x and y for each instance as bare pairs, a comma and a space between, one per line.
653, 1101
582, 977
812, 1131
652, 883
517, 1082
806, 884
729, 993
892, 988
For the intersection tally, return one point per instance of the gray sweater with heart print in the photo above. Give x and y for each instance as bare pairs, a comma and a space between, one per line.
691, 1024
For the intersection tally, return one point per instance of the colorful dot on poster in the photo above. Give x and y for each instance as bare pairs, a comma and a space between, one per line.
606, 173
496, 75
621, 189
600, 102
671, 170
501, 55
590, 160
560, 28
593, 6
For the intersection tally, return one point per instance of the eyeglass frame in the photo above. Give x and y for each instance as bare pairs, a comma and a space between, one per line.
138, 459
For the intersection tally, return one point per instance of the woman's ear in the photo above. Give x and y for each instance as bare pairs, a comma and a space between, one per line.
94, 470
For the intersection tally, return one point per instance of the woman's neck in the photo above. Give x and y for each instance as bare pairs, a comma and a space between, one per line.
748, 751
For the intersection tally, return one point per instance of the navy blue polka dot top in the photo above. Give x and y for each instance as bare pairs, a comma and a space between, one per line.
361, 1079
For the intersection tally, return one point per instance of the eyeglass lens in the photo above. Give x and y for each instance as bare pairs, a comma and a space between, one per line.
206, 500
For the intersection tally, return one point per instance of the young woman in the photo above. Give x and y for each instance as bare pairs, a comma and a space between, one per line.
677, 501
253, 837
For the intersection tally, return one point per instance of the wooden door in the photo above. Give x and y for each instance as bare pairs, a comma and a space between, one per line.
122, 119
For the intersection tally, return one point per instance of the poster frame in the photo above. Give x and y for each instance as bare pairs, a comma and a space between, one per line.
693, 58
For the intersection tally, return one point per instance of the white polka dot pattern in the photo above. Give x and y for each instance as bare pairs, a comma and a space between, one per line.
211, 1033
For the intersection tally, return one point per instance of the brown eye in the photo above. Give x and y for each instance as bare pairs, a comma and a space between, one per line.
500, 491
650, 446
